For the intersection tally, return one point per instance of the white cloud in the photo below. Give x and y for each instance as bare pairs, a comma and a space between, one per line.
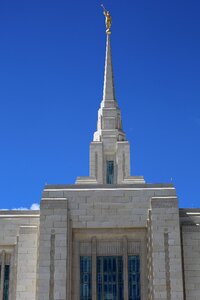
35, 206
20, 208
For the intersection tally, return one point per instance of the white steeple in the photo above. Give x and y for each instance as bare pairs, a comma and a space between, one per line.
109, 88
109, 150
109, 116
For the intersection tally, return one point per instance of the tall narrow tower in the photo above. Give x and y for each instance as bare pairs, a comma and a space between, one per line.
109, 150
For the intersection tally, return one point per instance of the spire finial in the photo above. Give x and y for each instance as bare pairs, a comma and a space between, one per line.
108, 19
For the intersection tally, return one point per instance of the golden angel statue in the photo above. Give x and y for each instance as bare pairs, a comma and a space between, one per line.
108, 19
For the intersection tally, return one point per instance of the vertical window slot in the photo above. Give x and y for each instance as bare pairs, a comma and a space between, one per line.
110, 172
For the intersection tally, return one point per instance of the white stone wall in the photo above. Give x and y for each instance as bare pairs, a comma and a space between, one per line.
18, 238
108, 207
119, 211
53, 273
123, 161
124, 207
164, 250
191, 258
10, 222
27, 263
96, 161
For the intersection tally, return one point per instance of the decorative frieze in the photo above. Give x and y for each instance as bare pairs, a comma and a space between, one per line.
85, 248
134, 247
110, 247
107, 247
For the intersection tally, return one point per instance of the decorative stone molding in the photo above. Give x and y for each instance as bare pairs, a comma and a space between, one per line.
134, 247
85, 248
108, 247
191, 228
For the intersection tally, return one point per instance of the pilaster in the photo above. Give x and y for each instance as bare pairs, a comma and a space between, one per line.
53, 250
3, 256
165, 249
27, 263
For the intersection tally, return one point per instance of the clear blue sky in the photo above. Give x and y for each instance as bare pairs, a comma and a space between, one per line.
51, 80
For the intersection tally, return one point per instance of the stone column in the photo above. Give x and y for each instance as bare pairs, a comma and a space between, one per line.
149, 257
166, 249
8, 262
191, 260
123, 161
96, 161
76, 278
3, 256
94, 268
125, 266
15, 254
53, 250
27, 263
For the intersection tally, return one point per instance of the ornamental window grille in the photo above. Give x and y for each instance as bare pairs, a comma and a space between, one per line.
110, 278
85, 278
134, 277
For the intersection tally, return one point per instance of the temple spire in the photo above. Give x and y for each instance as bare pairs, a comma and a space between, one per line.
109, 124
109, 150
109, 88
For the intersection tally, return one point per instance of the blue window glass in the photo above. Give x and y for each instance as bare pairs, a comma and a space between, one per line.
6, 282
85, 278
110, 172
134, 277
110, 278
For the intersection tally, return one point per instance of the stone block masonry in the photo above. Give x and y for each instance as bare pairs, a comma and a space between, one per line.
27, 263
191, 259
165, 250
53, 251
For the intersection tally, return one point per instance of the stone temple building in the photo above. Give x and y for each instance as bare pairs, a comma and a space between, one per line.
109, 236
